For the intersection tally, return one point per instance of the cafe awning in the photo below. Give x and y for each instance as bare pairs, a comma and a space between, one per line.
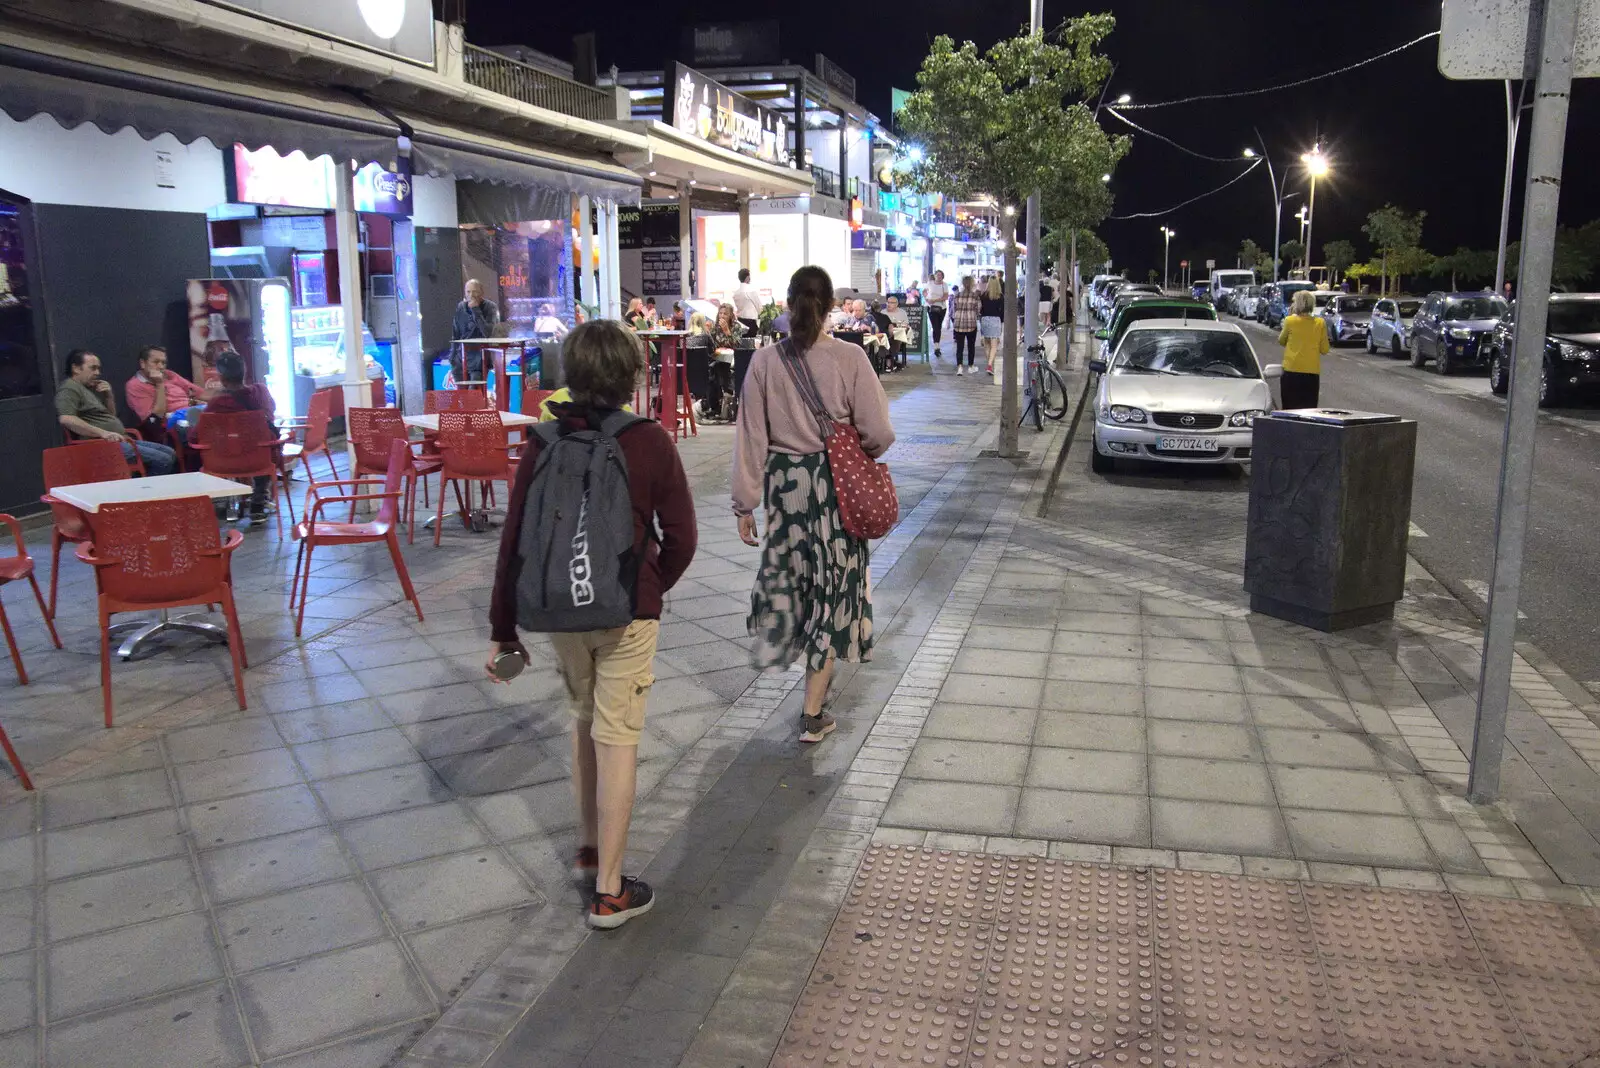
440, 149
677, 158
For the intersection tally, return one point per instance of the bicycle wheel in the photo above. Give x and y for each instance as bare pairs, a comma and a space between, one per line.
1051, 392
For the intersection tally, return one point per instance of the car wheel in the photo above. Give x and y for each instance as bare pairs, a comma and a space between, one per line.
1099, 463
1499, 381
1372, 348
1417, 358
1549, 391
1441, 362
1395, 351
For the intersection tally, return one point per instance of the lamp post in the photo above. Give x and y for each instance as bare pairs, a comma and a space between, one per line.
1166, 247
1305, 220
1317, 167
1277, 200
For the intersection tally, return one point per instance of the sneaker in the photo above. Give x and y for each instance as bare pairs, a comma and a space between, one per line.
959, 372
586, 865
816, 728
613, 910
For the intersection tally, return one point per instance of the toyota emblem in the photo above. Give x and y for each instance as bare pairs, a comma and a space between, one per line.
1187, 420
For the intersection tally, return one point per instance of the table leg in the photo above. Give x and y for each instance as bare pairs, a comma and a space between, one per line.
142, 630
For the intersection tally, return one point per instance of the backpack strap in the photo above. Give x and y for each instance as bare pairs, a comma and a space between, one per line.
618, 421
806, 386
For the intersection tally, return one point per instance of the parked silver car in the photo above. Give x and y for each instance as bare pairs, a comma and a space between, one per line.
1245, 299
1347, 316
1390, 329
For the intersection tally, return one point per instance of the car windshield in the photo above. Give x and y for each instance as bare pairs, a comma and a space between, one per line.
1202, 285
1475, 308
1288, 288
1409, 308
1323, 298
1574, 317
1356, 304
1249, 291
1215, 353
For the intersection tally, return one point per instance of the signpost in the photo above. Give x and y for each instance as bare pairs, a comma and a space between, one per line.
1499, 39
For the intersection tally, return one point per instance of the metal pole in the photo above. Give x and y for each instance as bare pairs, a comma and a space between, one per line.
1166, 248
1554, 25
347, 239
1030, 301
1311, 210
1277, 203
1513, 126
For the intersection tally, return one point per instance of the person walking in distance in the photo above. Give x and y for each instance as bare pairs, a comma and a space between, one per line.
937, 296
965, 307
747, 302
813, 594
991, 320
1304, 338
582, 560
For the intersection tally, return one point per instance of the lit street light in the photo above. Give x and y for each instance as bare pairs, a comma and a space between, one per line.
1124, 99
1316, 164
1167, 234
1105, 177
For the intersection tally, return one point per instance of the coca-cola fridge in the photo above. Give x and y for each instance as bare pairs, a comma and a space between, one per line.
250, 316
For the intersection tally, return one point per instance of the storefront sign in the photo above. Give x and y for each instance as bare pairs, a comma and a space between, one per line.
263, 176
834, 76
384, 192
732, 43
872, 240
894, 243
400, 28
647, 226
943, 229
888, 201
710, 111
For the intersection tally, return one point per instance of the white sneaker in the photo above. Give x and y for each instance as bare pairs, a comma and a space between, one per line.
959, 372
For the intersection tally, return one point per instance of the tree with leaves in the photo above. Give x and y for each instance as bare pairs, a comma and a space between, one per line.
1093, 253
1002, 124
1465, 265
1338, 255
1251, 255
1576, 256
1396, 234
1292, 252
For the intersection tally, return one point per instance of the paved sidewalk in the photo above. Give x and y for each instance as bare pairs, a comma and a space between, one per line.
368, 867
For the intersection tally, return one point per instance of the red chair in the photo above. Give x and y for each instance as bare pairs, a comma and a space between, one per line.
373, 432
455, 400
13, 568
134, 464
472, 449
150, 555
241, 445
313, 531
314, 438
84, 461
533, 398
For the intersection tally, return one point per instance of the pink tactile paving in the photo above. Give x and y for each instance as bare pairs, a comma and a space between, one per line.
971, 960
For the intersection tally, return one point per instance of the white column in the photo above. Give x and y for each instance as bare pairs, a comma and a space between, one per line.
610, 282
744, 231
685, 239
357, 394
591, 288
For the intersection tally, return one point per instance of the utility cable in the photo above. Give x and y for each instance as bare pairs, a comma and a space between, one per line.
1191, 200
1287, 85
1161, 137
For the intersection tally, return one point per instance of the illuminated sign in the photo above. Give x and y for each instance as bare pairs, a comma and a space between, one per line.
263, 176
711, 112
400, 28
943, 229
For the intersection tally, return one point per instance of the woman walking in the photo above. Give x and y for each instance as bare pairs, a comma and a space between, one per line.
1304, 338
991, 318
964, 308
813, 594
937, 294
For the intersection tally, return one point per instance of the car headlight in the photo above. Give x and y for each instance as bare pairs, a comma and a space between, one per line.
1122, 413
1569, 351
1457, 331
1245, 418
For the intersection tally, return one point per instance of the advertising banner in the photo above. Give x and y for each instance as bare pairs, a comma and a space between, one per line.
710, 111
732, 44
399, 28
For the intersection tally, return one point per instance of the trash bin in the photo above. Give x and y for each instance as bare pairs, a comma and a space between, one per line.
1330, 511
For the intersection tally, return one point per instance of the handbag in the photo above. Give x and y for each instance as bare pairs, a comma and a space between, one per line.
868, 504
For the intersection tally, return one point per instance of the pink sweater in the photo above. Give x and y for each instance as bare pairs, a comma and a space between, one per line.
774, 418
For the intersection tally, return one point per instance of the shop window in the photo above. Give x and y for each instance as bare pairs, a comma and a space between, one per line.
20, 374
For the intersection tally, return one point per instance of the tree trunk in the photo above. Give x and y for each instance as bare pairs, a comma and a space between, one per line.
1008, 342
1383, 277
1066, 296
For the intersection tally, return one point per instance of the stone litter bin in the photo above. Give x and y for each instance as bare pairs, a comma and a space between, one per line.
1330, 512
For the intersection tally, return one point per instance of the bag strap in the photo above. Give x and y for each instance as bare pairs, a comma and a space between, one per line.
806, 386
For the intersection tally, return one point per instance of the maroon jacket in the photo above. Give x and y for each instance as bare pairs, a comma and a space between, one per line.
661, 498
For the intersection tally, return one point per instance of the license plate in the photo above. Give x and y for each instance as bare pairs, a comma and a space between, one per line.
1187, 444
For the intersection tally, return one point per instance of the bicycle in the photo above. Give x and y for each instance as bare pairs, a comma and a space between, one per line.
1046, 391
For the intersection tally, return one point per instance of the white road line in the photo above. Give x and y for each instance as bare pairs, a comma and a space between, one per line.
1418, 532
1480, 589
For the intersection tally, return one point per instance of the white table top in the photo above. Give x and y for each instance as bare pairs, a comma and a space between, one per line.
509, 419
89, 496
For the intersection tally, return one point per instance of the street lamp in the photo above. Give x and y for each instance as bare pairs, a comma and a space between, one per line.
1316, 165
1124, 99
1277, 199
1167, 234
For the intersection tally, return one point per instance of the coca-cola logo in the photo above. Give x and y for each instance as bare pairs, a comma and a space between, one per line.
217, 297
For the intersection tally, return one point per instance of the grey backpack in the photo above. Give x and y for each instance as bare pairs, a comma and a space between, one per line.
579, 570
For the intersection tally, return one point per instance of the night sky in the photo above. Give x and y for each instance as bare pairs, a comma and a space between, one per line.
1397, 131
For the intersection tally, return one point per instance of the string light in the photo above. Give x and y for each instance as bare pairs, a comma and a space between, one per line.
1160, 137
1191, 200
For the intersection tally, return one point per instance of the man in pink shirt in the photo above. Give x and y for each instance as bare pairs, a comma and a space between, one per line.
156, 392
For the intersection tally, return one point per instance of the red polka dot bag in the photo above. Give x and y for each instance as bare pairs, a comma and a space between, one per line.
868, 504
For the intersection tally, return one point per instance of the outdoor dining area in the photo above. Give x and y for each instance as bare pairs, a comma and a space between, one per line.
163, 550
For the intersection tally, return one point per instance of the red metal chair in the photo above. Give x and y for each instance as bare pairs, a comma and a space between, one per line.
314, 438
455, 400
135, 464
241, 445
533, 398
13, 568
84, 461
313, 531
372, 433
150, 555
472, 449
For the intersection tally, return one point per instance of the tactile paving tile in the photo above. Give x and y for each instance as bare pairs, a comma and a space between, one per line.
1218, 1001
964, 885
1259, 915
1561, 941
1396, 927
1078, 901
1415, 1016
1560, 1018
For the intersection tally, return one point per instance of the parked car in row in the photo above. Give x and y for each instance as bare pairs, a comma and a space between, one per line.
1391, 324
1275, 300
1097, 289
1128, 294
1244, 302
1455, 330
1179, 392
1100, 304
1347, 317
1201, 290
1225, 282
1571, 349
1180, 309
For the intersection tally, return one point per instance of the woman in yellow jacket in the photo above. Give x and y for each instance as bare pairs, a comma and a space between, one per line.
1304, 338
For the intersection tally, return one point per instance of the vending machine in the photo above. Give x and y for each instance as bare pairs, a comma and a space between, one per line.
250, 316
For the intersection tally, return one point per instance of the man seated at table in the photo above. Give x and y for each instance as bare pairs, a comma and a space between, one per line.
156, 393
236, 395
85, 409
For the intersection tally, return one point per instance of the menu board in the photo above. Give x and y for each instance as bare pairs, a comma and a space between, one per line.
660, 272
917, 320
647, 226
